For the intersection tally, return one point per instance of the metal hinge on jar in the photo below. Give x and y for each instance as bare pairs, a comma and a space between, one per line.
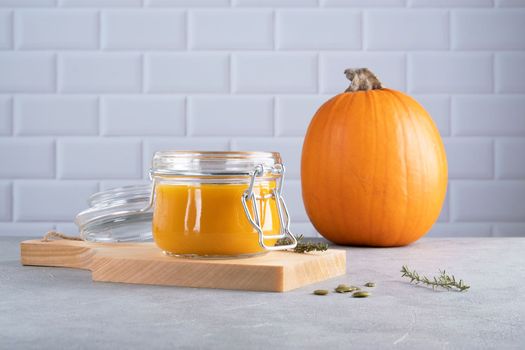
282, 210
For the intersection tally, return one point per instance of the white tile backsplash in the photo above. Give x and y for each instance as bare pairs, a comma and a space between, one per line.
143, 115
26, 158
510, 72
6, 29
99, 72
100, 3
510, 156
230, 116
56, 29
187, 3
293, 113
63, 199
90, 89
502, 29
508, 230
461, 73
414, 30
364, 3
460, 230
470, 158
6, 200
80, 158
481, 115
27, 72
488, 201
450, 3
275, 3
315, 29
25, 229
274, 73
187, 73
143, 29
510, 3
27, 3
226, 29
55, 115
6, 115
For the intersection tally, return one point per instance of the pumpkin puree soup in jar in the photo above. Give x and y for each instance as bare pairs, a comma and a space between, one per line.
218, 204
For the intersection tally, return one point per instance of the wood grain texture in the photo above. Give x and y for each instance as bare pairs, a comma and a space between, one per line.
144, 263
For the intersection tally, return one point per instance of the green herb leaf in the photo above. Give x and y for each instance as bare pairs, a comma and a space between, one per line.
443, 280
303, 247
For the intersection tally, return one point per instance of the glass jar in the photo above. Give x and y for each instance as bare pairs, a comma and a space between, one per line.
198, 204
218, 204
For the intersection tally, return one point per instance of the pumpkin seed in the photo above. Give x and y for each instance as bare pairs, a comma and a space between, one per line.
343, 288
361, 294
370, 284
320, 292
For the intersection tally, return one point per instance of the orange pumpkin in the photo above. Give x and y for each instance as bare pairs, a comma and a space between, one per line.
373, 169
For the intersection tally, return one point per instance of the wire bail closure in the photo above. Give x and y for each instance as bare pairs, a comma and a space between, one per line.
282, 210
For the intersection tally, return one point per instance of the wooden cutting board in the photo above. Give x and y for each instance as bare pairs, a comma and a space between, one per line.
144, 263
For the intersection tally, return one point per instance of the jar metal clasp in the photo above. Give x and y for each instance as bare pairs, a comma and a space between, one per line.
282, 210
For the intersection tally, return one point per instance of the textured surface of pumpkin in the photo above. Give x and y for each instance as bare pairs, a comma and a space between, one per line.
373, 170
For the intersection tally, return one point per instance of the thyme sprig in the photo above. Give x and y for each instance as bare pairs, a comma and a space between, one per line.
303, 247
444, 280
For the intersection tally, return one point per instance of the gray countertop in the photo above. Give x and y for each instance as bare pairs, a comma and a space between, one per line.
63, 309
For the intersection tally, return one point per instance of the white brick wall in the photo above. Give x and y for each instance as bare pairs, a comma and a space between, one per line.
230, 116
5, 29
99, 72
461, 73
495, 115
6, 107
25, 158
6, 199
510, 72
226, 29
55, 115
143, 29
56, 29
63, 199
187, 73
414, 30
488, 201
315, 29
293, 113
99, 158
499, 30
274, 72
27, 72
89, 89
507, 167
142, 115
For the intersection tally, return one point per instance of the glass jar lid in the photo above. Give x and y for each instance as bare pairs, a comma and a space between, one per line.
199, 163
117, 215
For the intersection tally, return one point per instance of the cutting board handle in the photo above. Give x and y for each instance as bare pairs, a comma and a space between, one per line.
57, 253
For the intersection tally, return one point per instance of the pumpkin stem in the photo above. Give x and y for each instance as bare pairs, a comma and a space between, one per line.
362, 79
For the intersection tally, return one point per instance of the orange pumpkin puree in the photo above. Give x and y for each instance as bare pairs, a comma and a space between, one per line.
209, 219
